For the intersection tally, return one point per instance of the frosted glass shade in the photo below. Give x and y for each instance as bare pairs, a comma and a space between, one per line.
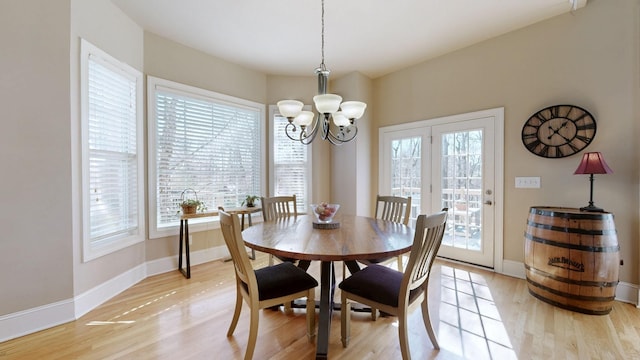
327, 103
353, 109
290, 108
305, 118
339, 119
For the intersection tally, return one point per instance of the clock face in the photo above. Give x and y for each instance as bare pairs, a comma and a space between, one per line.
558, 131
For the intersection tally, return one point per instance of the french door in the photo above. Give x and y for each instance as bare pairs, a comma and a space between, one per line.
455, 163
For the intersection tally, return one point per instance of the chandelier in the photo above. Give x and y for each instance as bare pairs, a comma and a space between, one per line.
330, 108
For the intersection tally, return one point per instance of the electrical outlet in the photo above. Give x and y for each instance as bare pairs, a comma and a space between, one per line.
532, 182
190, 239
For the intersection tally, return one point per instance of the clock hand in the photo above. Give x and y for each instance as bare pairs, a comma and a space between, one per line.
556, 131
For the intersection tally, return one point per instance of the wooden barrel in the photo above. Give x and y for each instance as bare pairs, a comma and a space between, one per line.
572, 258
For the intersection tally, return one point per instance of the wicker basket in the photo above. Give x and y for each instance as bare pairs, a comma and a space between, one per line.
188, 209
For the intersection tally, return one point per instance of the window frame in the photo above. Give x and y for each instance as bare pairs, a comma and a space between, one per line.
95, 249
197, 224
303, 205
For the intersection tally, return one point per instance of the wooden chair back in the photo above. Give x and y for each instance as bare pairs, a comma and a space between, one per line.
230, 226
429, 231
277, 207
393, 208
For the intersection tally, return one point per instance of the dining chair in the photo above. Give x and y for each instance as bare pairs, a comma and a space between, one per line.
393, 292
265, 287
396, 209
278, 207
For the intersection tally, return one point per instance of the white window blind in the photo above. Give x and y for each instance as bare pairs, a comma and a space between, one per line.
291, 165
112, 154
206, 142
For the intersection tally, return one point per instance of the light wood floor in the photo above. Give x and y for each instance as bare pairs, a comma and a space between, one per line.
478, 315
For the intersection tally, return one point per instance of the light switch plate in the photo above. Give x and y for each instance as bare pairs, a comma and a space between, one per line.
531, 182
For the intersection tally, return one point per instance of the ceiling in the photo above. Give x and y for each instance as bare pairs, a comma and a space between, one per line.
374, 37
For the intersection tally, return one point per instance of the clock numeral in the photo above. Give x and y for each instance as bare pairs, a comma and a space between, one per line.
533, 145
530, 136
588, 126
544, 151
573, 147
541, 117
581, 117
554, 111
559, 152
584, 139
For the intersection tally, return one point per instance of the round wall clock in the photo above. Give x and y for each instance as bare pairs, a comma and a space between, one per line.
558, 131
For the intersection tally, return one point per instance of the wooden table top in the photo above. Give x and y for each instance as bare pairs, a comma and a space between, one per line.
235, 210
357, 237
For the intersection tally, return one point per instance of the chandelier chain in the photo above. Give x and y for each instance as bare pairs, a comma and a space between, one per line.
322, 66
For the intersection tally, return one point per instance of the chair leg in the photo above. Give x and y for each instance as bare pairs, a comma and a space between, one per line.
287, 308
374, 314
345, 321
253, 332
236, 313
400, 263
427, 323
403, 335
311, 315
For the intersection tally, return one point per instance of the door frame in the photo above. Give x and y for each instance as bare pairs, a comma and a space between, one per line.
498, 146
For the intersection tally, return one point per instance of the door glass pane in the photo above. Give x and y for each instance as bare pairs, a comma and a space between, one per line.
462, 188
406, 170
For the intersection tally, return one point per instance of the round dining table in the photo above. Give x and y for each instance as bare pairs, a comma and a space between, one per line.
348, 238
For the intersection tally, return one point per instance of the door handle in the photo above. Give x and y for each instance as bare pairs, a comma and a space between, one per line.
488, 202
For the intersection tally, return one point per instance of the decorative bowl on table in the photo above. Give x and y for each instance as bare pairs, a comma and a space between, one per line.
324, 212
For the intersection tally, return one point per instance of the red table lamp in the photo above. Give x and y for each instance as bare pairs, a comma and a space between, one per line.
592, 163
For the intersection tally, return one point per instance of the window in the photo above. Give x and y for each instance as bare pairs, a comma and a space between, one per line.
204, 141
112, 153
290, 162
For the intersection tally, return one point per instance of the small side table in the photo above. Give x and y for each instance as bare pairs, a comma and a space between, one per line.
184, 233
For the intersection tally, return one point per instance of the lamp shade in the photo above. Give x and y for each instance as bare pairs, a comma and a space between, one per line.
290, 108
339, 119
327, 103
353, 109
304, 118
593, 163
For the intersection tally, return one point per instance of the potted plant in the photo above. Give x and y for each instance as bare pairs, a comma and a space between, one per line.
250, 200
191, 206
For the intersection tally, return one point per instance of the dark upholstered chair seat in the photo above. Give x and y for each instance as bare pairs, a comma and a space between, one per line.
272, 280
378, 283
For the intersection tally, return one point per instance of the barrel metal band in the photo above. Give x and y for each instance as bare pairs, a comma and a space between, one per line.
570, 307
571, 230
570, 296
565, 280
558, 213
598, 249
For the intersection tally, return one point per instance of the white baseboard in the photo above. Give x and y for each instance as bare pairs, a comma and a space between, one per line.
91, 299
167, 264
43, 317
29, 321
513, 268
625, 292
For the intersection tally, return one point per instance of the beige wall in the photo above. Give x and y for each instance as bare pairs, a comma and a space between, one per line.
350, 165
590, 59
105, 26
35, 217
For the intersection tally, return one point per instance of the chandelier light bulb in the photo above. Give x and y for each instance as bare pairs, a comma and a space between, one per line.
340, 119
327, 103
353, 109
290, 108
304, 118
